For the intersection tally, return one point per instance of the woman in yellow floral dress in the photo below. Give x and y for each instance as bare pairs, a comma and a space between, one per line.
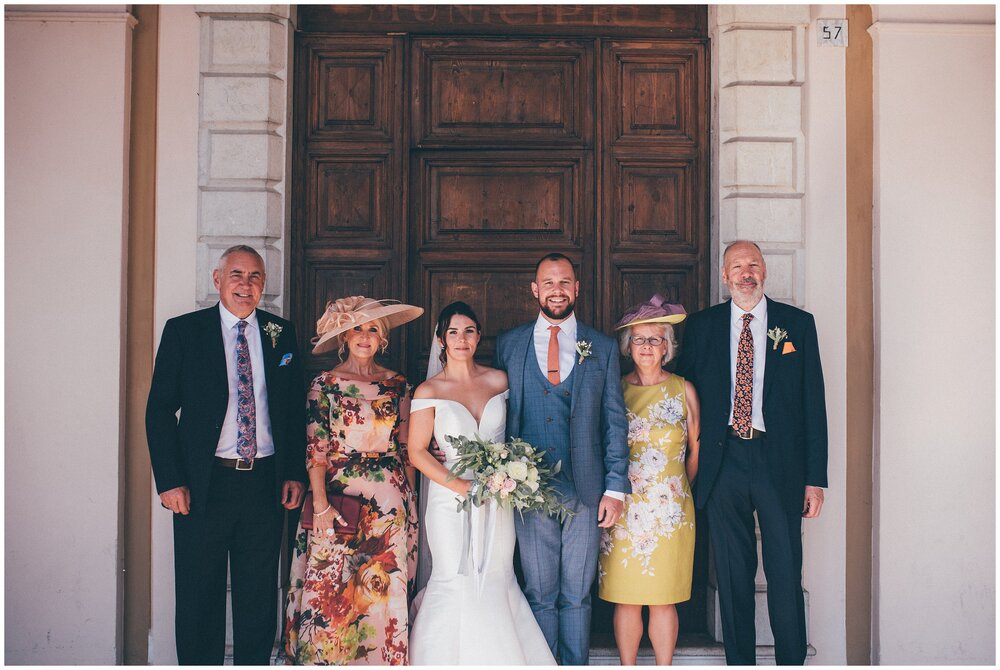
647, 557
348, 596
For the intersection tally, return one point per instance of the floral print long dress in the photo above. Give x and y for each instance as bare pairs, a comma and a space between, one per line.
347, 600
647, 557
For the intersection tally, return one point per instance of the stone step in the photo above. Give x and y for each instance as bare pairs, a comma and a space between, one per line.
692, 649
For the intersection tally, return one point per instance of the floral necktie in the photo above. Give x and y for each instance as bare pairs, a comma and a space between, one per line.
246, 412
743, 398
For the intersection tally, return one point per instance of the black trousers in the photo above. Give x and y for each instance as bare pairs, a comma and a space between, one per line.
743, 486
240, 527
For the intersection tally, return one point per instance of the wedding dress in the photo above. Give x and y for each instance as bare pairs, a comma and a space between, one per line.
472, 611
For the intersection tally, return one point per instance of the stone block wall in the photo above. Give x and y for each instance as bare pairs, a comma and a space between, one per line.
243, 148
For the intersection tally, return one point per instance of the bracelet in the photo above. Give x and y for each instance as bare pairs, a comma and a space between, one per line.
472, 489
328, 508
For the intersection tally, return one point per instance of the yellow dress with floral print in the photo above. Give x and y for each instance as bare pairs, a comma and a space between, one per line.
647, 557
347, 597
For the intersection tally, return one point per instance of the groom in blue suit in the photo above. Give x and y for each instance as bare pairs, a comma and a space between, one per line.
566, 398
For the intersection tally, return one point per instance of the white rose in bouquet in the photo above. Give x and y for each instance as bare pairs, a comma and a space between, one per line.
518, 471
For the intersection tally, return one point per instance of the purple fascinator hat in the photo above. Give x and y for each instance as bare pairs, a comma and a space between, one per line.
654, 310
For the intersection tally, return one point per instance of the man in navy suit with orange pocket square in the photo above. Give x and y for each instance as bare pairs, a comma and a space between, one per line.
229, 463
755, 363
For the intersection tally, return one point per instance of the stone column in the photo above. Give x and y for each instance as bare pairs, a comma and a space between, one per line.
759, 69
243, 147
758, 63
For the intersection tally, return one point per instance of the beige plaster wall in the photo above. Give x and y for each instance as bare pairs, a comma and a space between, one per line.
825, 291
66, 128
176, 246
935, 236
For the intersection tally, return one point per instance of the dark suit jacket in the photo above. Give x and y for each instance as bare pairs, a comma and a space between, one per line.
794, 403
598, 429
190, 375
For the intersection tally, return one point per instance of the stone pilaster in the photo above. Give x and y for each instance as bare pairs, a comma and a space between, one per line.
243, 140
759, 56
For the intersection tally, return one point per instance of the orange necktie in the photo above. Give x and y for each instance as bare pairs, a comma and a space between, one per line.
553, 365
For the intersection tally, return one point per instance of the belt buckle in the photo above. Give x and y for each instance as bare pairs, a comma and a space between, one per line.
371, 454
246, 469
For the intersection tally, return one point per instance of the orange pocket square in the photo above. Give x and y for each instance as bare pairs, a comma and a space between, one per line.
788, 349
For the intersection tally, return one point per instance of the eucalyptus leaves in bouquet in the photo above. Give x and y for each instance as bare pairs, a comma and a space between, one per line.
513, 474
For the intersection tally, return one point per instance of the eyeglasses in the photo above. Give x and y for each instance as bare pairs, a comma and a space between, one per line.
653, 341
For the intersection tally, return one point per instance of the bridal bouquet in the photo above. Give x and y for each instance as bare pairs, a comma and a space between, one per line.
512, 473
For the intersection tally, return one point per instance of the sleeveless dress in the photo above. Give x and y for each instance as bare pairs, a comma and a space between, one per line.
647, 557
459, 619
347, 597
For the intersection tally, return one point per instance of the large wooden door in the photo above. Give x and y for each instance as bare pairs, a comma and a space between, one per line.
438, 156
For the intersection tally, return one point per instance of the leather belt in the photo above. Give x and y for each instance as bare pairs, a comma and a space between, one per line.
751, 434
238, 463
371, 455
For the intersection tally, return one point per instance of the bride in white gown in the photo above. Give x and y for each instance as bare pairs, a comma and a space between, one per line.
472, 611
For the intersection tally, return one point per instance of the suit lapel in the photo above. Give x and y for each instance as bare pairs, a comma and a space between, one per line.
582, 334
720, 347
212, 335
270, 352
519, 355
775, 315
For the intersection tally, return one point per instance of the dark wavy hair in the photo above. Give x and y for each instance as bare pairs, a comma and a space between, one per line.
457, 308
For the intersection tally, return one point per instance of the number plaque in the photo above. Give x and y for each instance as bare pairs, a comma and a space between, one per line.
831, 32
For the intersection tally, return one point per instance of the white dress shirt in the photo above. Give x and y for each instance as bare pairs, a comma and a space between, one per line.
227, 438
758, 328
567, 345
567, 356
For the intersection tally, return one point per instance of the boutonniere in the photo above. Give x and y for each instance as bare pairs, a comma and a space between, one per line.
273, 330
777, 335
583, 349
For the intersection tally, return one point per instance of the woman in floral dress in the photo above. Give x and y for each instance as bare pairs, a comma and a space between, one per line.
347, 600
647, 557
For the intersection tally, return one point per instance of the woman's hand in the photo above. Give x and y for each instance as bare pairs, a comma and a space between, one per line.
326, 518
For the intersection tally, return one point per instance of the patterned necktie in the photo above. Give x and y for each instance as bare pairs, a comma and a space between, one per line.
743, 399
246, 407
553, 362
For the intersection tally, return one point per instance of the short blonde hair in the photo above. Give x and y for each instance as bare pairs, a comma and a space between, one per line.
666, 332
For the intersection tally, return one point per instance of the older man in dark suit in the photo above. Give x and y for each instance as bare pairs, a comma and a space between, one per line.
755, 363
232, 459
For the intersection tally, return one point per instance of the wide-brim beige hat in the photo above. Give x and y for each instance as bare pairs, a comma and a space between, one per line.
345, 313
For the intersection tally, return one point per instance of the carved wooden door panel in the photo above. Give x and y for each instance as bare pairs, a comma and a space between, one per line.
501, 172
348, 233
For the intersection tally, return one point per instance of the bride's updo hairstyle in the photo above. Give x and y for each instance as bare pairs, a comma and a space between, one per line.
444, 320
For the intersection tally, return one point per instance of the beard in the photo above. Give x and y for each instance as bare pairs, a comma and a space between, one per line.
558, 315
749, 294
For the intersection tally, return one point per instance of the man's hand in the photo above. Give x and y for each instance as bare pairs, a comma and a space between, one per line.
291, 493
609, 511
436, 452
177, 500
813, 502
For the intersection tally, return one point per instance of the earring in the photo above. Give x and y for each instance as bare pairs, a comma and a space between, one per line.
342, 350
384, 346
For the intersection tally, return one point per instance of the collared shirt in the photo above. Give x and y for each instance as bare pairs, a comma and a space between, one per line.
758, 329
227, 438
567, 356
567, 345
